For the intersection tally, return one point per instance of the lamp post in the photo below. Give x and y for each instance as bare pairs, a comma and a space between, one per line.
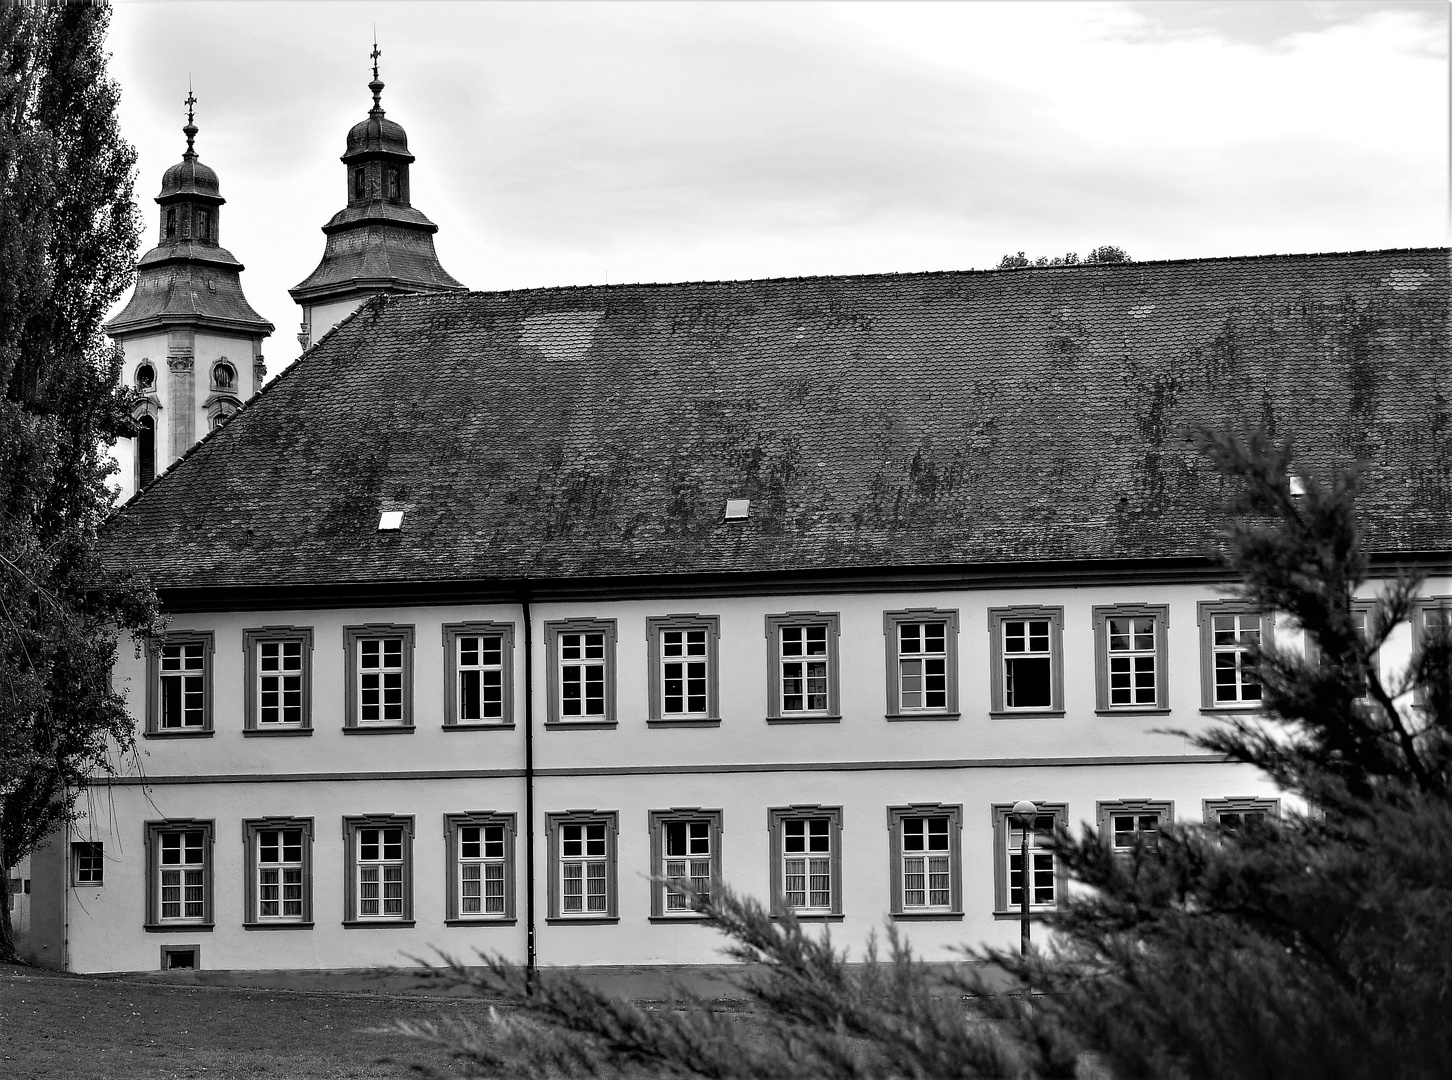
1024, 813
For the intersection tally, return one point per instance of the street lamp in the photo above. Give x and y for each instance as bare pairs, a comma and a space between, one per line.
1024, 814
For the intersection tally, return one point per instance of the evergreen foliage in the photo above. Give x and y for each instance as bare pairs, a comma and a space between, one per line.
1106, 253
1319, 945
67, 248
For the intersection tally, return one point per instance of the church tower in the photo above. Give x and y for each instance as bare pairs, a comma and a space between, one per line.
378, 243
192, 343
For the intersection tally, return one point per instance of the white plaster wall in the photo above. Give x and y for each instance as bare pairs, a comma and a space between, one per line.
323, 317
743, 767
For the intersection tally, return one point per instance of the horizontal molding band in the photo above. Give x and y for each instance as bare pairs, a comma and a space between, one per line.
664, 770
453, 592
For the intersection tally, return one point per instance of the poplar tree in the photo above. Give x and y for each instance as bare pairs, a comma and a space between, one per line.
1316, 945
68, 236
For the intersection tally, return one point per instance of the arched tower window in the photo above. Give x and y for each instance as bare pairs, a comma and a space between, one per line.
393, 188
145, 377
223, 377
146, 453
170, 222
204, 225
360, 185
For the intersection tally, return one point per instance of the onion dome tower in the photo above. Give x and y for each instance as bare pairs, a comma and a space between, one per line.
378, 243
192, 342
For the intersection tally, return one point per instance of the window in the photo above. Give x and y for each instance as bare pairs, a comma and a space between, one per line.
1130, 654
146, 452
480, 886
1026, 648
180, 680
1231, 635
926, 872
1234, 814
145, 377
802, 667
393, 192
806, 861
277, 698
360, 187
1125, 822
223, 376
685, 846
380, 678
683, 680
479, 691
181, 957
179, 878
204, 225
922, 664
582, 861
1047, 877
87, 864
1431, 620
279, 873
380, 870
582, 680
170, 222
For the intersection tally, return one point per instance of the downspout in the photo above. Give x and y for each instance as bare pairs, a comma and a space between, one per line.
531, 963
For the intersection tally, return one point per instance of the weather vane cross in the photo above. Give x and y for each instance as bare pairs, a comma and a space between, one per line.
190, 103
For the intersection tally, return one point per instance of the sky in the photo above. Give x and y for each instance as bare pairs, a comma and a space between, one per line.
588, 143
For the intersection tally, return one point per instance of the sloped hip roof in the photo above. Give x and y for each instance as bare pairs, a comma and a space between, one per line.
875, 421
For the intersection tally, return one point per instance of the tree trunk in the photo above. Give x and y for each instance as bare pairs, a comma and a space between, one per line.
7, 930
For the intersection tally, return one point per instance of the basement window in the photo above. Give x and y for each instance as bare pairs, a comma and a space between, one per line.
390, 521
738, 509
181, 957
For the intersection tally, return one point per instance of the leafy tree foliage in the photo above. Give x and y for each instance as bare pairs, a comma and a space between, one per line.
67, 248
1106, 253
1319, 945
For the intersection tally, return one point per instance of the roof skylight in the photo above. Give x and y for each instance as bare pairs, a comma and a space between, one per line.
738, 509
390, 521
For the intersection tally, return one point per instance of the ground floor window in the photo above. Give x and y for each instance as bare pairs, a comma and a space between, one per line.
179, 878
279, 871
380, 870
582, 862
480, 884
806, 860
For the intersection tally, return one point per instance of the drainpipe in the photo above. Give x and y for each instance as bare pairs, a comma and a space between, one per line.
531, 963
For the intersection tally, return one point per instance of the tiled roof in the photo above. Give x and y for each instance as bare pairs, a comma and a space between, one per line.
873, 421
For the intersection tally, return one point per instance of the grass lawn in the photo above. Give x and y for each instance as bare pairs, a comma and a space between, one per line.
76, 1027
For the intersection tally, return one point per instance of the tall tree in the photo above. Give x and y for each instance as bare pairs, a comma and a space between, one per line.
68, 234
1317, 946
1105, 253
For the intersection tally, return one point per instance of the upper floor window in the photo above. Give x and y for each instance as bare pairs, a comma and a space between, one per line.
1130, 654
922, 664
224, 377
277, 698
145, 376
204, 225
1231, 635
1026, 644
480, 661
360, 184
582, 681
802, 676
380, 678
180, 683
146, 452
1240, 812
170, 222
394, 191
683, 677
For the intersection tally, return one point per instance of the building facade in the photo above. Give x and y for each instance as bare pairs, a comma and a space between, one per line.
791, 585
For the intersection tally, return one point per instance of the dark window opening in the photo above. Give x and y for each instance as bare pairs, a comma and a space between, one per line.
145, 377
1029, 684
204, 225
359, 184
146, 452
393, 189
223, 376
170, 222
178, 959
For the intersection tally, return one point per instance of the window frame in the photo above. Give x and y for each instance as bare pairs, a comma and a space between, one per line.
775, 714
553, 822
154, 646
155, 831
88, 849
554, 688
251, 830
1002, 830
452, 632
891, 622
352, 826
1206, 610
657, 820
453, 916
1420, 609
352, 638
1105, 810
897, 854
1160, 613
776, 819
654, 626
252, 641
997, 675
1211, 809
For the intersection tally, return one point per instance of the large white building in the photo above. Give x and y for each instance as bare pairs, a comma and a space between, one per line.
495, 608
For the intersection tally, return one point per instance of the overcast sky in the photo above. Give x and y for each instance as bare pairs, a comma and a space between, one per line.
579, 143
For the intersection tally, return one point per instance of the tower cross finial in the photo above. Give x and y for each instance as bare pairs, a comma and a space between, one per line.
190, 131
376, 53
377, 84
